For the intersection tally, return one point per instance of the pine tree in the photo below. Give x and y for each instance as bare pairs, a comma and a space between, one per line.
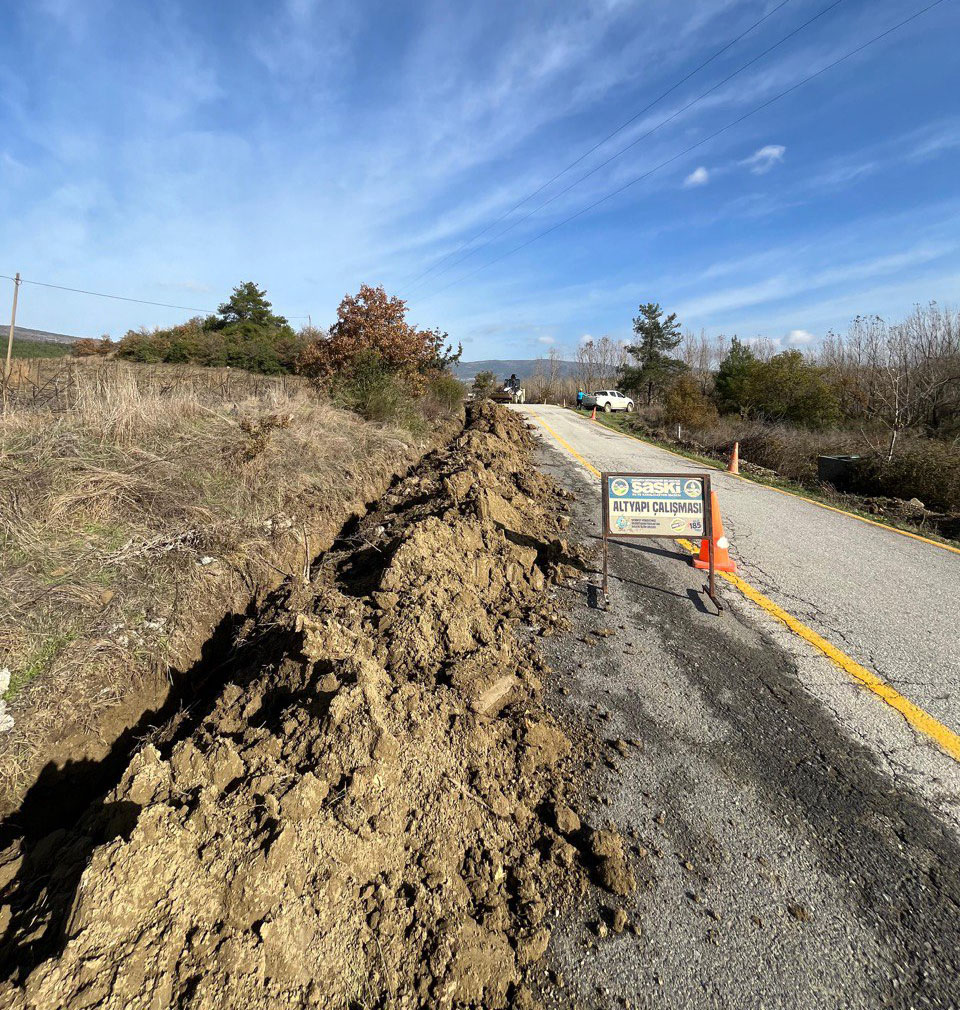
248, 303
731, 387
658, 336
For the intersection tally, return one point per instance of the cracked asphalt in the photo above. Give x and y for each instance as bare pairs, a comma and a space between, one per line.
786, 855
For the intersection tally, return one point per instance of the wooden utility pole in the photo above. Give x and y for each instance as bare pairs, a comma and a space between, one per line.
13, 325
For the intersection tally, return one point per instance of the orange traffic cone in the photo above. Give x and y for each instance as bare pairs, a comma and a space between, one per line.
734, 465
721, 554
593, 416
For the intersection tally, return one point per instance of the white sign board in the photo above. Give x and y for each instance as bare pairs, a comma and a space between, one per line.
655, 505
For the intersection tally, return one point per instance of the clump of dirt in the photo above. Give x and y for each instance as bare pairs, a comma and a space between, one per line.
613, 870
376, 819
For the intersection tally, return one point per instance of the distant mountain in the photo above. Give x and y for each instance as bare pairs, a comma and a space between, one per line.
44, 336
503, 368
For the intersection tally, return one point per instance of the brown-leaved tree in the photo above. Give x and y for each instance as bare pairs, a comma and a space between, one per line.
371, 326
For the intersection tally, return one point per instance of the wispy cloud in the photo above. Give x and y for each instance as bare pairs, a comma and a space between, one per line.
934, 140
698, 177
762, 160
787, 278
342, 141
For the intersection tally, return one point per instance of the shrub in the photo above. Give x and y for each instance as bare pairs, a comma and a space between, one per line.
444, 392
372, 389
730, 384
483, 383
244, 333
685, 403
374, 323
790, 388
86, 347
928, 469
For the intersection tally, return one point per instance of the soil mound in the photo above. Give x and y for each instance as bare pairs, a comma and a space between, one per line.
367, 821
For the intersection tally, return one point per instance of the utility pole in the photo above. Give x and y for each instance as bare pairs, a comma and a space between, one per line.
13, 325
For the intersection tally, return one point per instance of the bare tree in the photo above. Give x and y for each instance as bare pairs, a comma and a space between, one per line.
763, 347
598, 362
901, 376
702, 356
554, 374
537, 383
586, 366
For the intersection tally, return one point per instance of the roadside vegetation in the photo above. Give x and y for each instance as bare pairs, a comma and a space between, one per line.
375, 362
484, 383
892, 511
885, 393
245, 333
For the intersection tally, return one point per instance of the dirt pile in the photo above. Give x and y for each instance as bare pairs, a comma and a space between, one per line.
375, 818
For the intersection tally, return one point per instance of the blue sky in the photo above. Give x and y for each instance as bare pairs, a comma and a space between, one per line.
169, 151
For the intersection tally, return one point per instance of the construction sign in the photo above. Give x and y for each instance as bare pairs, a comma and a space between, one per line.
675, 505
659, 506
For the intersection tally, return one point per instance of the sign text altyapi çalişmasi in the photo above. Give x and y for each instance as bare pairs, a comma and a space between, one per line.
657, 505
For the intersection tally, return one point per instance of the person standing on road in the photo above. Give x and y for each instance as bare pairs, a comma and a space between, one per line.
579, 398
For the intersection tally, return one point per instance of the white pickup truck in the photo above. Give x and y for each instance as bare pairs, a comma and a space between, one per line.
607, 400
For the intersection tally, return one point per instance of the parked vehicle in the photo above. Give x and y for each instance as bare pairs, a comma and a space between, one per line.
506, 395
510, 392
608, 400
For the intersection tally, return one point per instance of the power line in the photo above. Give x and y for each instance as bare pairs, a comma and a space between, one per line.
644, 136
600, 143
100, 294
119, 298
692, 147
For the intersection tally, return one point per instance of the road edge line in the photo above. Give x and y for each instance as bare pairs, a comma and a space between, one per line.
920, 720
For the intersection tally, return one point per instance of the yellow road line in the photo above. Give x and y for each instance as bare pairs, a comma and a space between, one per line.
567, 445
792, 494
920, 720
916, 716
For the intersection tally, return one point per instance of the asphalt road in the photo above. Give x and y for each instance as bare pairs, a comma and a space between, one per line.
789, 833
888, 601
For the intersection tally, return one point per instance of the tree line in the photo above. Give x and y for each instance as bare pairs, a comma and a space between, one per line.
876, 376
371, 357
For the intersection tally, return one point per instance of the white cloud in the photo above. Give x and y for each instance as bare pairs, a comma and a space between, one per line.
698, 177
545, 340
765, 158
586, 338
797, 338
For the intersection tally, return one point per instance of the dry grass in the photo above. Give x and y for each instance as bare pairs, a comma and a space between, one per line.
129, 502
56, 383
924, 468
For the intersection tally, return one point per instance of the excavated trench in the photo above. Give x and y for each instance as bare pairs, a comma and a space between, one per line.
45, 827
361, 801
241, 646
